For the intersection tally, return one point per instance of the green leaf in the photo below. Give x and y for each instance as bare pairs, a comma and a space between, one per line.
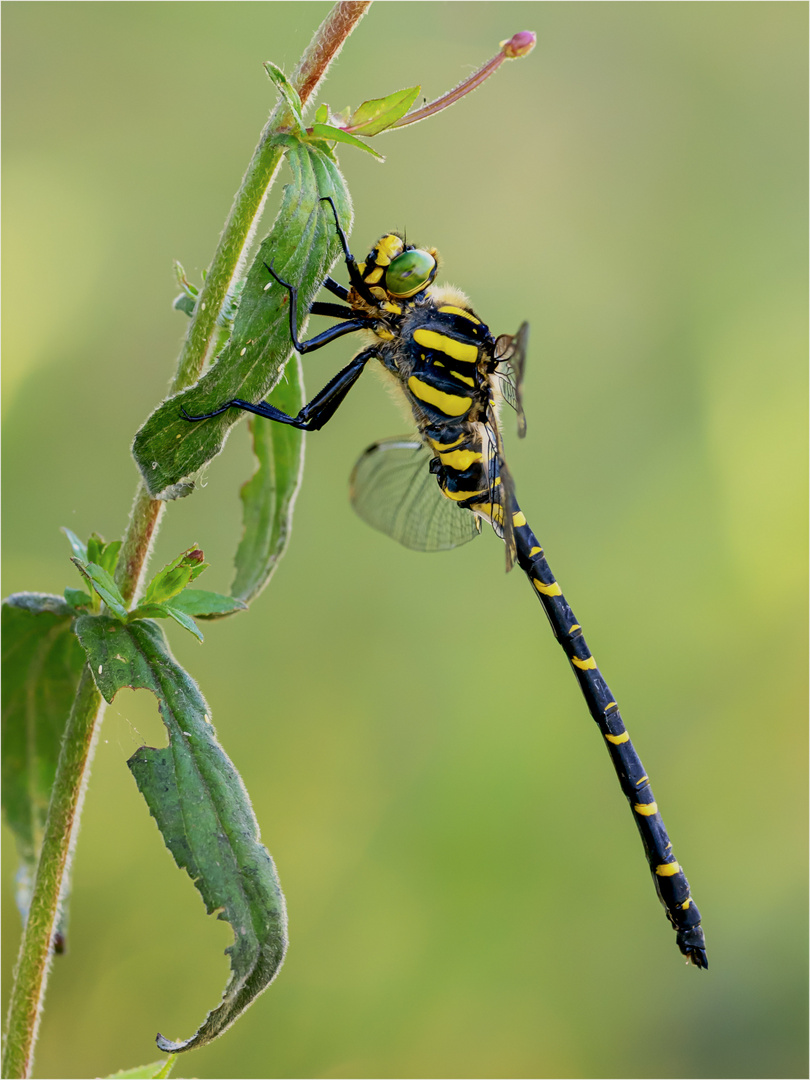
201, 808
79, 549
78, 598
148, 611
108, 556
207, 605
187, 300
183, 620
41, 665
95, 546
174, 577
302, 246
189, 290
376, 115
288, 92
185, 304
156, 1071
198, 603
167, 610
104, 586
326, 131
321, 114
268, 497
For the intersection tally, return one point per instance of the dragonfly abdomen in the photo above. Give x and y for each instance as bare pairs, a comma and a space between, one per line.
670, 881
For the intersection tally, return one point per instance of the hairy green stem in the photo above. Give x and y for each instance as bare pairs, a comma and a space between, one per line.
72, 772
76, 756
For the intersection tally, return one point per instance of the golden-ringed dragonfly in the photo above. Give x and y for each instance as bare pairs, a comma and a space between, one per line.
431, 492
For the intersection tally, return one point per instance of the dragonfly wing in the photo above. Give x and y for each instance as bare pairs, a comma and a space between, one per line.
510, 351
393, 490
501, 489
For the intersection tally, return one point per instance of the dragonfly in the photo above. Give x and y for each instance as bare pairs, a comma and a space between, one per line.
433, 490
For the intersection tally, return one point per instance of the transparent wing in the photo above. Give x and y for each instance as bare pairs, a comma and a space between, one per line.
392, 489
502, 502
510, 353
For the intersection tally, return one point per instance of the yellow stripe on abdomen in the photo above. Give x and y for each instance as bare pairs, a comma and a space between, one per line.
584, 665
457, 350
667, 869
441, 447
547, 590
449, 404
460, 459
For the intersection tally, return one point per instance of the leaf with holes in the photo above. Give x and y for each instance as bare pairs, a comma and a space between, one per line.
202, 809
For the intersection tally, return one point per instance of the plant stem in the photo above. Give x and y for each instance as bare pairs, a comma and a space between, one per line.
138, 539
73, 768
61, 827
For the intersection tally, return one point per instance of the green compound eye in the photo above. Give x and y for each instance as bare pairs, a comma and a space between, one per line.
409, 272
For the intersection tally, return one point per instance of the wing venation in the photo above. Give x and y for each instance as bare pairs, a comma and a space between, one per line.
393, 490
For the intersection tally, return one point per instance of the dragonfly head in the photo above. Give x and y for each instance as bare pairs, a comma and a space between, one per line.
396, 270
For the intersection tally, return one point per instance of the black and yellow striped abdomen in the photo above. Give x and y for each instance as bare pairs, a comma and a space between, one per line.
670, 880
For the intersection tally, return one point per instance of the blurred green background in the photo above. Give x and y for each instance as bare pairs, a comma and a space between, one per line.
467, 892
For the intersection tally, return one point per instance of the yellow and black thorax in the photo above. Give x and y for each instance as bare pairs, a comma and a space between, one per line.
441, 354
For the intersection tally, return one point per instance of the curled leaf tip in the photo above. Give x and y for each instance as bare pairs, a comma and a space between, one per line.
520, 44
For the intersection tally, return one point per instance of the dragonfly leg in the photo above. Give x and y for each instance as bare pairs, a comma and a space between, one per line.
320, 340
334, 311
315, 413
335, 288
355, 277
